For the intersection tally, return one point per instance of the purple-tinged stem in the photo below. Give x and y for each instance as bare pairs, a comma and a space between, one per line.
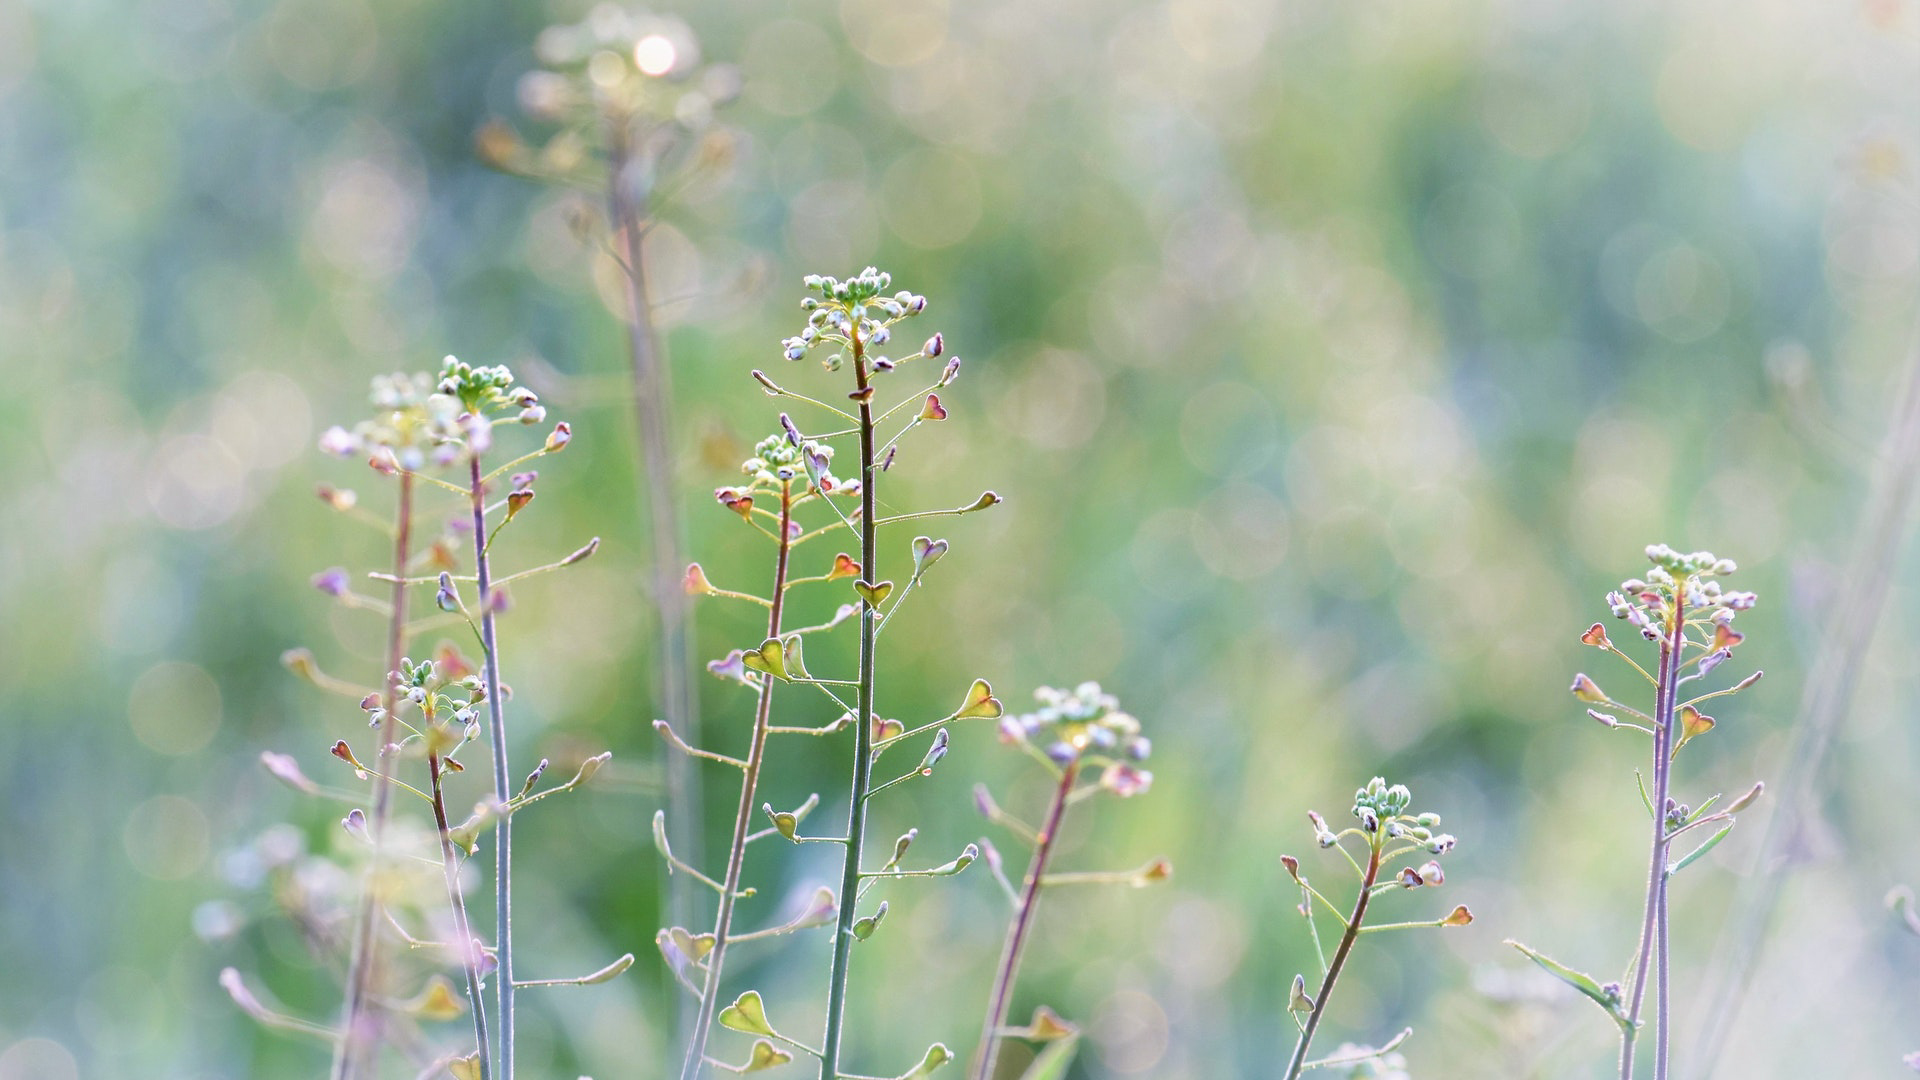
502, 789
743, 817
361, 1039
1652, 923
1001, 1000
862, 735
1299, 1060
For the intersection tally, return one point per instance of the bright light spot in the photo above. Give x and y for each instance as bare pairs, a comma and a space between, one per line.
895, 33
174, 707
38, 1059
194, 482
166, 838
655, 55
606, 69
1130, 1030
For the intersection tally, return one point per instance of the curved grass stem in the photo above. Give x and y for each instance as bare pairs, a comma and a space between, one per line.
1881, 533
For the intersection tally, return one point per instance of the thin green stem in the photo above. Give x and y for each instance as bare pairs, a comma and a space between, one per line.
1615, 650
502, 782
1380, 927
1313, 928
862, 741
1352, 934
653, 412
871, 792
465, 947
1320, 896
898, 600
359, 1042
987, 1058
696, 1057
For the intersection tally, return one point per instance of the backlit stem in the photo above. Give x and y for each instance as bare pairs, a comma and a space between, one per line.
360, 1042
696, 1058
1299, 1060
653, 413
502, 783
1652, 953
468, 949
988, 1056
862, 738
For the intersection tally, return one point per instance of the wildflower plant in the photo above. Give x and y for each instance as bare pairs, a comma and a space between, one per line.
629, 111
405, 435
428, 711
1682, 609
853, 321
775, 475
1074, 733
1386, 830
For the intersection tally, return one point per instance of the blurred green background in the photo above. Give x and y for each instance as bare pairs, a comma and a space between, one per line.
1334, 360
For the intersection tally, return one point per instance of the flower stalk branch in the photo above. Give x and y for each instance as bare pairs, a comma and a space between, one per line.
359, 1042
1001, 999
696, 1058
1298, 1061
1653, 924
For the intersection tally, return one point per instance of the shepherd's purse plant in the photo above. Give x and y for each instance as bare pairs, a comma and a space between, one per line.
1682, 609
429, 710
1073, 733
1386, 830
854, 322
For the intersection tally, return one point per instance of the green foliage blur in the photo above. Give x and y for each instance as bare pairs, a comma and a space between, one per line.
1334, 359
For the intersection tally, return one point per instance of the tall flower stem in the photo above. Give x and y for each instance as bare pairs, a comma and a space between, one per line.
1882, 530
862, 732
1652, 953
1299, 1059
502, 785
749, 784
1001, 1000
468, 950
356, 1048
653, 407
